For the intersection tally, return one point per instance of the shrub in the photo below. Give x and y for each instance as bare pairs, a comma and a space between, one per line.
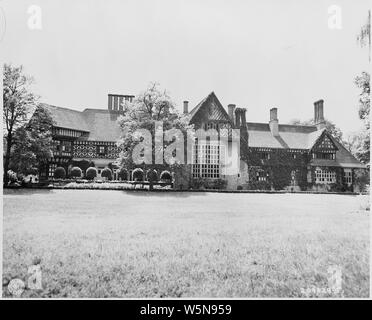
59, 173
12, 176
91, 173
259, 185
362, 179
33, 171
202, 183
76, 172
106, 173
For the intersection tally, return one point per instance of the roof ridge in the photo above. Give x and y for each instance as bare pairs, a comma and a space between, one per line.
94, 109
63, 108
284, 124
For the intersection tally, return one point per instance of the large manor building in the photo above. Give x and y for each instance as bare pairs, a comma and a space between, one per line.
272, 155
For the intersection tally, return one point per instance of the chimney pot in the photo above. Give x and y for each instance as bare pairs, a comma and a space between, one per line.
115, 101
110, 102
244, 120
185, 107
121, 100
231, 110
274, 122
273, 114
319, 114
238, 113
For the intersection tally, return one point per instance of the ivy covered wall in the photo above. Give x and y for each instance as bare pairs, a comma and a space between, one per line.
278, 169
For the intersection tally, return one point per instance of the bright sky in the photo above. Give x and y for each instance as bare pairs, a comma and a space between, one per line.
257, 54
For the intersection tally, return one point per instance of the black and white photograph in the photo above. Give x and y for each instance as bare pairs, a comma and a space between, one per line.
177, 150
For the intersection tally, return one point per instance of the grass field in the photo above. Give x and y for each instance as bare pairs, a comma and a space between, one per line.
96, 243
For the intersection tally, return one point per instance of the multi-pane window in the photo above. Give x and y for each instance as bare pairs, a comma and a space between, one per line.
324, 155
52, 168
66, 147
206, 161
348, 176
265, 155
101, 150
211, 125
261, 175
62, 148
325, 176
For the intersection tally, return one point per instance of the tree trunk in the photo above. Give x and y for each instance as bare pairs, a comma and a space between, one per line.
7, 159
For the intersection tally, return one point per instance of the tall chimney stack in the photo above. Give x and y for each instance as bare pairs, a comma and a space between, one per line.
238, 113
121, 100
110, 103
231, 109
115, 101
274, 122
319, 114
185, 107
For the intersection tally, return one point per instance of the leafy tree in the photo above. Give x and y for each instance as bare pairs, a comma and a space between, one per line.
356, 143
148, 107
59, 173
32, 142
363, 83
364, 36
18, 104
75, 172
330, 126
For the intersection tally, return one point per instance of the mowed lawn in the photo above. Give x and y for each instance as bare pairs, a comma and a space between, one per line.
95, 243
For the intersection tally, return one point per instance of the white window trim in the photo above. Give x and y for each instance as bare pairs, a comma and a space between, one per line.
206, 161
324, 176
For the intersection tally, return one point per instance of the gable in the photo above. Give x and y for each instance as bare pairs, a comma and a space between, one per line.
325, 142
67, 118
209, 109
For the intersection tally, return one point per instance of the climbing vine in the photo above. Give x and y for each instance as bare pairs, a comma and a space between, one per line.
276, 169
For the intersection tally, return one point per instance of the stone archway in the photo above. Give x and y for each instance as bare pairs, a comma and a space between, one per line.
137, 174
123, 174
152, 175
166, 176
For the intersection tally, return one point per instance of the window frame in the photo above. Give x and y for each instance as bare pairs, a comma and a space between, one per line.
206, 161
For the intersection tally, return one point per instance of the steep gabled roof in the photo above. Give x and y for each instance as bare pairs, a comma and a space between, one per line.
210, 108
67, 118
101, 124
343, 158
290, 136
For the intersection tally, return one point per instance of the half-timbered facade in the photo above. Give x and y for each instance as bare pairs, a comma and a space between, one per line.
86, 138
272, 155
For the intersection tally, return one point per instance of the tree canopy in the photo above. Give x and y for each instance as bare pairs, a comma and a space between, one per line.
330, 126
27, 125
149, 108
